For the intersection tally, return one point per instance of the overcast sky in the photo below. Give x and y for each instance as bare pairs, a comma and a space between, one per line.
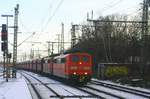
45, 16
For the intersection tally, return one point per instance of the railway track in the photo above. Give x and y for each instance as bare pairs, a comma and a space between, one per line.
100, 94
88, 90
40, 83
93, 93
137, 92
33, 87
60, 96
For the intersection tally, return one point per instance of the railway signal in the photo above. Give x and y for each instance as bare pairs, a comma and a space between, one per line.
4, 38
4, 33
4, 46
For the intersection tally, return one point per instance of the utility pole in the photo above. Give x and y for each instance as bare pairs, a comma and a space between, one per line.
32, 53
6, 50
15, 35
62, 38
52, 48
73, 35
48, 42
58, 35
145, 36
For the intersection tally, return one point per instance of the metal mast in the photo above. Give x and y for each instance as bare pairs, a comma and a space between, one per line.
15, 35
73, 36
144, 34
62, 38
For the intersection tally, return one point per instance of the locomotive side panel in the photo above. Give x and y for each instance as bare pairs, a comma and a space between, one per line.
59, 67
45, 66
50, 64
34, 65
30, 65
39, 66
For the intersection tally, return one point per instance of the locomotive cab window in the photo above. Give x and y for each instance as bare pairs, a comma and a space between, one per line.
49, 61
46, 61
63, 60
43, 61
59, 60
55, 60
85, 58
75, 58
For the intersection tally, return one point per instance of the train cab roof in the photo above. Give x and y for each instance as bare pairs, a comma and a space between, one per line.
61, 56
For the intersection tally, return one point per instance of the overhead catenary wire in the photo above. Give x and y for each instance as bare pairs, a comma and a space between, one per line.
26, 39
137, 11
49, 19
111, 5
22, 24
27, 29
38, 33
49, 12
41, 27
58, 6
55, 11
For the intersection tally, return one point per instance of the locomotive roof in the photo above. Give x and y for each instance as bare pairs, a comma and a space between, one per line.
63, 55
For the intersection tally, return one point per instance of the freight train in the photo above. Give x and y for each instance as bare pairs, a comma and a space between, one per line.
76, 67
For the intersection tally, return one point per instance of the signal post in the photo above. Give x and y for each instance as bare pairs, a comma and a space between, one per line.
4, 46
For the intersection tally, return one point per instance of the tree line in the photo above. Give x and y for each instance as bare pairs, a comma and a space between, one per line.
108, 41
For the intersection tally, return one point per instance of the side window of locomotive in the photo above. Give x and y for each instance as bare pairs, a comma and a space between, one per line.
85, 58
55, 60
43, 61
75, 58
58, 60
63, 60
46, 61
49, 61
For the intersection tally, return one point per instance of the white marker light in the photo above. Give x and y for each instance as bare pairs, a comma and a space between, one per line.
74, 73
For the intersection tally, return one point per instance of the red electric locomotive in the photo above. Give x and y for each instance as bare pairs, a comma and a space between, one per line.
75, 67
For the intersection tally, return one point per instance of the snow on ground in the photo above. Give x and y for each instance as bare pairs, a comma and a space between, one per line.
110, 82
14, 88
119, 93
18, 89
59, 87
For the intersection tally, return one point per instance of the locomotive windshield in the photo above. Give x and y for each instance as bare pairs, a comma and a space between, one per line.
85, 58
75, 58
